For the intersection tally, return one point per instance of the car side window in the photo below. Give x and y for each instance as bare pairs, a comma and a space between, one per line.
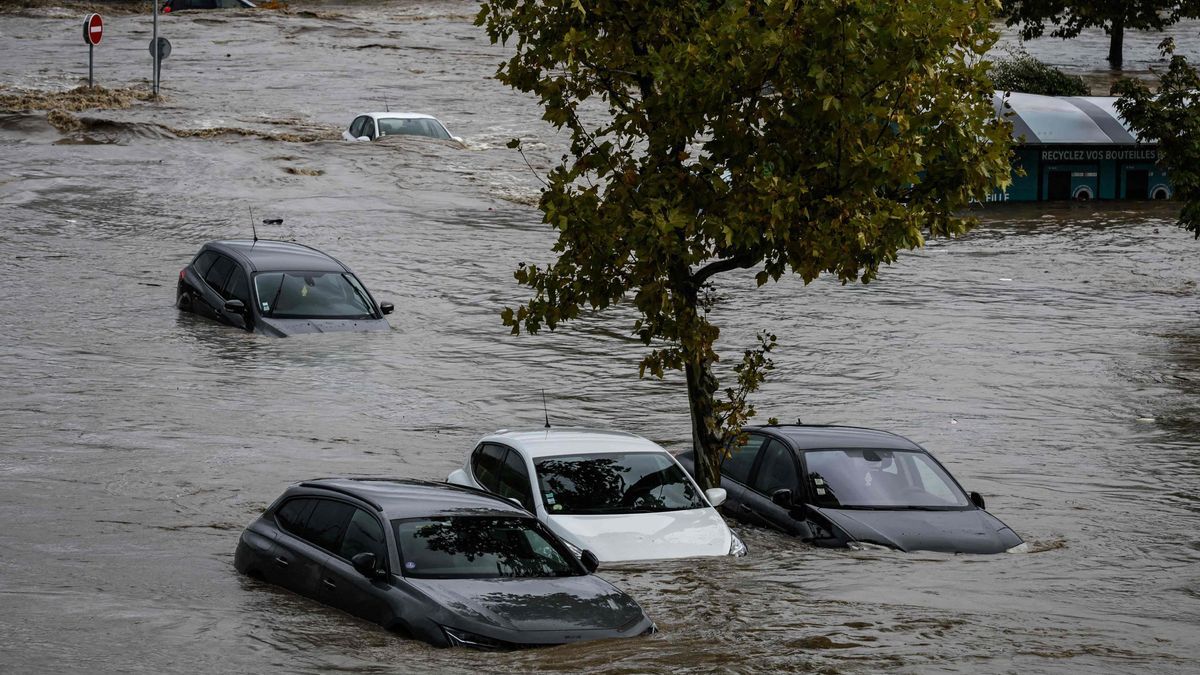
327, 523
203, 262
319, 521
776, 470
236, 286
485, 464
356, 128
364, 534
294, 514
738, 464
514, 480
368, 128
219, 272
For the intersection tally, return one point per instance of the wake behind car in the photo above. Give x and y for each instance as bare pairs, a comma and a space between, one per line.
851, 487
445, 564
615, 494
377, 125
277, 288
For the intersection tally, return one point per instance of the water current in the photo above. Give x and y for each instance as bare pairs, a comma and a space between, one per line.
1049, 359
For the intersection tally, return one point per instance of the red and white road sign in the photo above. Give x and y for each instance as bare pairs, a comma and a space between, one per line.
93, 29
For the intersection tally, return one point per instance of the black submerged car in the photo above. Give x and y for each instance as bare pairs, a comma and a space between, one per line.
848, 486
277, 288
449, 565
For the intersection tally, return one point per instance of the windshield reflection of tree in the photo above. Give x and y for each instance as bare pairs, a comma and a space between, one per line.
597, 485
509, 543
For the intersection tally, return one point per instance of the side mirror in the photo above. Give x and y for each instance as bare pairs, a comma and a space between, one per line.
977, 500
363, 138
236, 306
782, 497
386, 307
589, 560
716, 496
365, 564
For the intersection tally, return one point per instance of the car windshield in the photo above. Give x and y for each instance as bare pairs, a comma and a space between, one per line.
631, 482
476, 547
311, 295
394, 126
869, 478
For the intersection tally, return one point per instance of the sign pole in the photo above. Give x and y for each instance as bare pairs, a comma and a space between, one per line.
154, 41
91, 50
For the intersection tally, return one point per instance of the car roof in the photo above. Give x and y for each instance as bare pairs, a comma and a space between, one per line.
571, 441
402, 116
818, 436
266, 255
399, 498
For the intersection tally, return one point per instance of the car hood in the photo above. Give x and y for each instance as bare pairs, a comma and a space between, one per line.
646, 536
286, 327
550, 604
970, 531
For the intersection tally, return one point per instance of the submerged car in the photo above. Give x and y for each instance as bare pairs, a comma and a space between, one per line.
618, 495
852, 487
445, 564
376, 125
277, 288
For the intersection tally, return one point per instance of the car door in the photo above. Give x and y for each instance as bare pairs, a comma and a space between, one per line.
237, 287
514, 480
735, 476
775, 469
311, 528
346, 588
211, 302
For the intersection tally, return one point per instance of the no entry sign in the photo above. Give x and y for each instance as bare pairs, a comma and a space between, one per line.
93, 29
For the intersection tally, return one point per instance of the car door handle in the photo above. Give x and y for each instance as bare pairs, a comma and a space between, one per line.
281, 561
328, 583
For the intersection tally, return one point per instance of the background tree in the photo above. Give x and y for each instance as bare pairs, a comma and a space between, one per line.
710, 136
1173, 118
1070, 17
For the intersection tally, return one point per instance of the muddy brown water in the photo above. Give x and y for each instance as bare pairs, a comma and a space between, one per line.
1049, 359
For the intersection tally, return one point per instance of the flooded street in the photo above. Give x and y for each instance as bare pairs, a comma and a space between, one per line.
1049, 360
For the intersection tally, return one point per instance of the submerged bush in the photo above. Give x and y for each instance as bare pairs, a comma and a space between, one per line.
1023, 73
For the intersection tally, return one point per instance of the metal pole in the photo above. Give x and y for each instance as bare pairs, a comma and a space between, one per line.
91, 49
154, 41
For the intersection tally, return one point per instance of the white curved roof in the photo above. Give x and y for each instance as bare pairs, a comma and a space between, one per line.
1064, 120
571, 441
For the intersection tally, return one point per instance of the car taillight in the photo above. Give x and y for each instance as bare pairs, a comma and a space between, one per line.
181, 273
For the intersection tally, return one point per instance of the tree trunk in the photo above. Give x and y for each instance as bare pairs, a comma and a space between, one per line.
706, 444
1116, 43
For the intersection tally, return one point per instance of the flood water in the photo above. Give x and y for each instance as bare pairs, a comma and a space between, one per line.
1049, 359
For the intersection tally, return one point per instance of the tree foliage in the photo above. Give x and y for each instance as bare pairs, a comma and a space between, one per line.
1172, 116
817, 137
1069, 18
1021, 72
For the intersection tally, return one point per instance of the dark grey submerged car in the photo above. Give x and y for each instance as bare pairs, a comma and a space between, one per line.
847, 486
277, 288
449, 565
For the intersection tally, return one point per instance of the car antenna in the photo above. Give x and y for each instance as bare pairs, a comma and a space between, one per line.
385, 106
252, 228
545, 409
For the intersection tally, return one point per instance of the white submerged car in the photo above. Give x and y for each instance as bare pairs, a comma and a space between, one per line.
376, 125
615, 494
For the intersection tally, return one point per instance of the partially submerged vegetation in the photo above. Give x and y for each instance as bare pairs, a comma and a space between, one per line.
1021, 72
79, 98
